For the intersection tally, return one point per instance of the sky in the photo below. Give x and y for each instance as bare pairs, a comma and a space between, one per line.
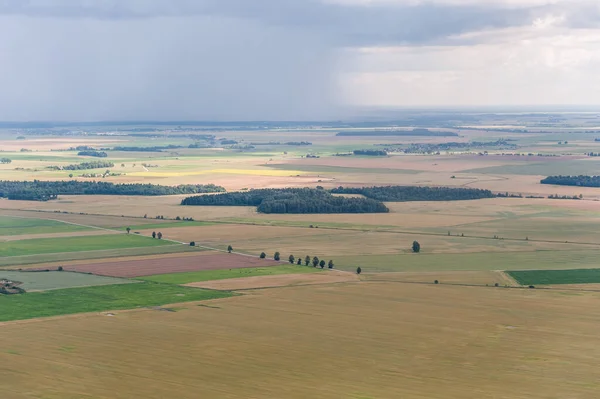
96, 60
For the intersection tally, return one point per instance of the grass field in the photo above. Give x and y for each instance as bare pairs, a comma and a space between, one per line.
43, 281
10, 226
99, 298
552, 277
209, 275
358, 340
76, 244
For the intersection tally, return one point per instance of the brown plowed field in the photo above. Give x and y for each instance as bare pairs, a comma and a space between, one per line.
174, 264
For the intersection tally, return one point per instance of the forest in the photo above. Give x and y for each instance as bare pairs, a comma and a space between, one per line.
415, 193
372, 153
290, 200
92, 153
47, 190
581, 181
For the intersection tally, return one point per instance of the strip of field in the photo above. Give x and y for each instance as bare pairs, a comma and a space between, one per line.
359, 341
100, 298
445, 277
33, 261
162, 226
285, 280
471, 261
12, 226
43, 281
77, 244
207, 260
551, 277
211, 275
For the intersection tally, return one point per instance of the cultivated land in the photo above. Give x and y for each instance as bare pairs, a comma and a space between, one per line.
378, 340
296, 331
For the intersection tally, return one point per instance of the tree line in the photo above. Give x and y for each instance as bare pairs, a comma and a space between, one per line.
414, 132
373, 153
148, 149
290, 200
581, 181
5, 160
415, 193
85, 165
92, 153
47, 190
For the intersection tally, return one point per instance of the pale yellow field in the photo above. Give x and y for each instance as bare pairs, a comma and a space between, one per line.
359, 340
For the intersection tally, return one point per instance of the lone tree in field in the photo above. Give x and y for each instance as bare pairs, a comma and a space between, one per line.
299, 263
416, 247
331, 264
277, 256
154, 234
229, 248
315, 261
263, 255
322, 264
358, 270
128, 230
307, 260
159, 235
192, 244
292, 259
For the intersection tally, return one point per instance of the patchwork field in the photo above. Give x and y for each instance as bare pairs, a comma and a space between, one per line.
206, 260
44, 281
380, 340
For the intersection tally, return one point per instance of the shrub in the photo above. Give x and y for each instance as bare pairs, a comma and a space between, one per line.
496, 285
263, 255
532, 286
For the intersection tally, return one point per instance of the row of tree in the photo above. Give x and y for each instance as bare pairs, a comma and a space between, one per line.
373, 153
580, 181
85, 165
298, 261
47, 190
290, 200
416, 193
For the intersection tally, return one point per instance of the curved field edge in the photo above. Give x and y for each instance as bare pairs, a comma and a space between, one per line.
551, 277
210, 275
99, 298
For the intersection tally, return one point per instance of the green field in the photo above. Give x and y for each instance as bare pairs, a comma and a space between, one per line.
43, 281
12, 261
471, 261
547, 277
97, 299
165, 225
12, 226
76, 244
208, 275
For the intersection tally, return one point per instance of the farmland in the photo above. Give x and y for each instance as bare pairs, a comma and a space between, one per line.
162, 318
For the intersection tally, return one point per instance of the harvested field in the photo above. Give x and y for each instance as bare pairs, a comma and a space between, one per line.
447, 277
207, 260
325, 277
363, 340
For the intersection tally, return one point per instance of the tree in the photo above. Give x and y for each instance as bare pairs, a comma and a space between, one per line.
307, 260
263, 255
192, 244
358, 270
322, 264
277, 256
229, 249
154, 234
299, 263
60, 269
71, 175
159, 235
331, 265
128, 229
315, 261
5, 160
416, 247
292, 259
